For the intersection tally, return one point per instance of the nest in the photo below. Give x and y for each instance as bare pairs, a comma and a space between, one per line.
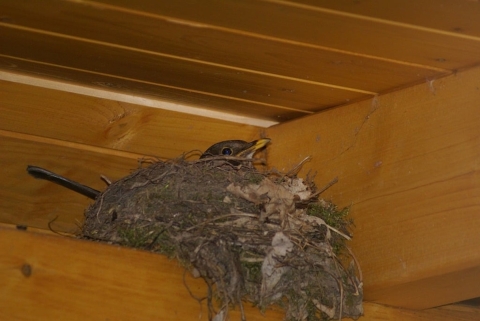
263, 238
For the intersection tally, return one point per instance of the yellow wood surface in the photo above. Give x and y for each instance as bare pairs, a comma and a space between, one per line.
273, 60
81, 280
204, 105
77, 280
377, 312
110, 124
443, 15
238, 106
408, 165
171, 72
214, 45
31, 202
316, 25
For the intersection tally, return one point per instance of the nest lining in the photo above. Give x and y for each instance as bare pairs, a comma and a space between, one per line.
263, 238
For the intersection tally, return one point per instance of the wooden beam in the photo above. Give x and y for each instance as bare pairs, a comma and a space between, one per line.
378, 312
105, 87
47, 277
52, 278
408, 165
108, 123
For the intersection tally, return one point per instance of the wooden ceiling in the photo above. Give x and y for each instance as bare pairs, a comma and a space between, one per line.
252, 61
245, 65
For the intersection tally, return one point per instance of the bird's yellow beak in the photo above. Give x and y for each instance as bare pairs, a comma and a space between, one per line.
255, 145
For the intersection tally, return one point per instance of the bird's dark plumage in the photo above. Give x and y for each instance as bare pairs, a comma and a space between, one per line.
42, 173
238, 148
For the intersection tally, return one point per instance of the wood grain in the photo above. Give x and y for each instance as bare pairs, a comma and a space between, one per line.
443, 15
377, 312
110, 124
287, 20
171, 72
76, 280
209, 43
37, 203
407, 164
201, 104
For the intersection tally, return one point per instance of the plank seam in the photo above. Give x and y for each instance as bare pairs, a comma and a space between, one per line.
373, 19
68, 144
133, 99
174, 57
251, 34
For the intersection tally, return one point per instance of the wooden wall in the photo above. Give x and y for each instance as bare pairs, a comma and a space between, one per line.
408, 166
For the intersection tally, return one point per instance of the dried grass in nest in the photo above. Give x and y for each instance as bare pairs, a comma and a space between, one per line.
255, 237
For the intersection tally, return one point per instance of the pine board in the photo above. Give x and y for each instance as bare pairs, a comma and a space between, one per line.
407, 164
76, 280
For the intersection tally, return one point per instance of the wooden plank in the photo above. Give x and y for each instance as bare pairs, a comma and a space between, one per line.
407, 163
211, 44
159, 69
459, 17
202, 104
287, 20
377, 312
76, 280
36, 203
108, 123
32, 230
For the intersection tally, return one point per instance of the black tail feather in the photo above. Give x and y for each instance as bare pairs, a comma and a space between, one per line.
42, 173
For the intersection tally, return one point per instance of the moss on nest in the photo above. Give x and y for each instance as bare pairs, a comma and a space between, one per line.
258, 237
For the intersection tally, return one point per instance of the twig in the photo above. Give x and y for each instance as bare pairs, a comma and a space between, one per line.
100, 207
297, 167
219, 218
51, 229
352, 281
340, 285
338, 232
360, 275
199, 300
106, 180
330, 184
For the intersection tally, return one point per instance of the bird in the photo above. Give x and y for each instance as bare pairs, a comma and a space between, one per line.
236, 148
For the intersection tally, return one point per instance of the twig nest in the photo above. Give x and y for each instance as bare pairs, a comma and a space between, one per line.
258, 237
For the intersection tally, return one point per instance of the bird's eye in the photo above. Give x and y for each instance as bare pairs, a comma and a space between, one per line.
227, 151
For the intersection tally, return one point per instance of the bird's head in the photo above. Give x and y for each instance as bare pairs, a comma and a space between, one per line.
237, 148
